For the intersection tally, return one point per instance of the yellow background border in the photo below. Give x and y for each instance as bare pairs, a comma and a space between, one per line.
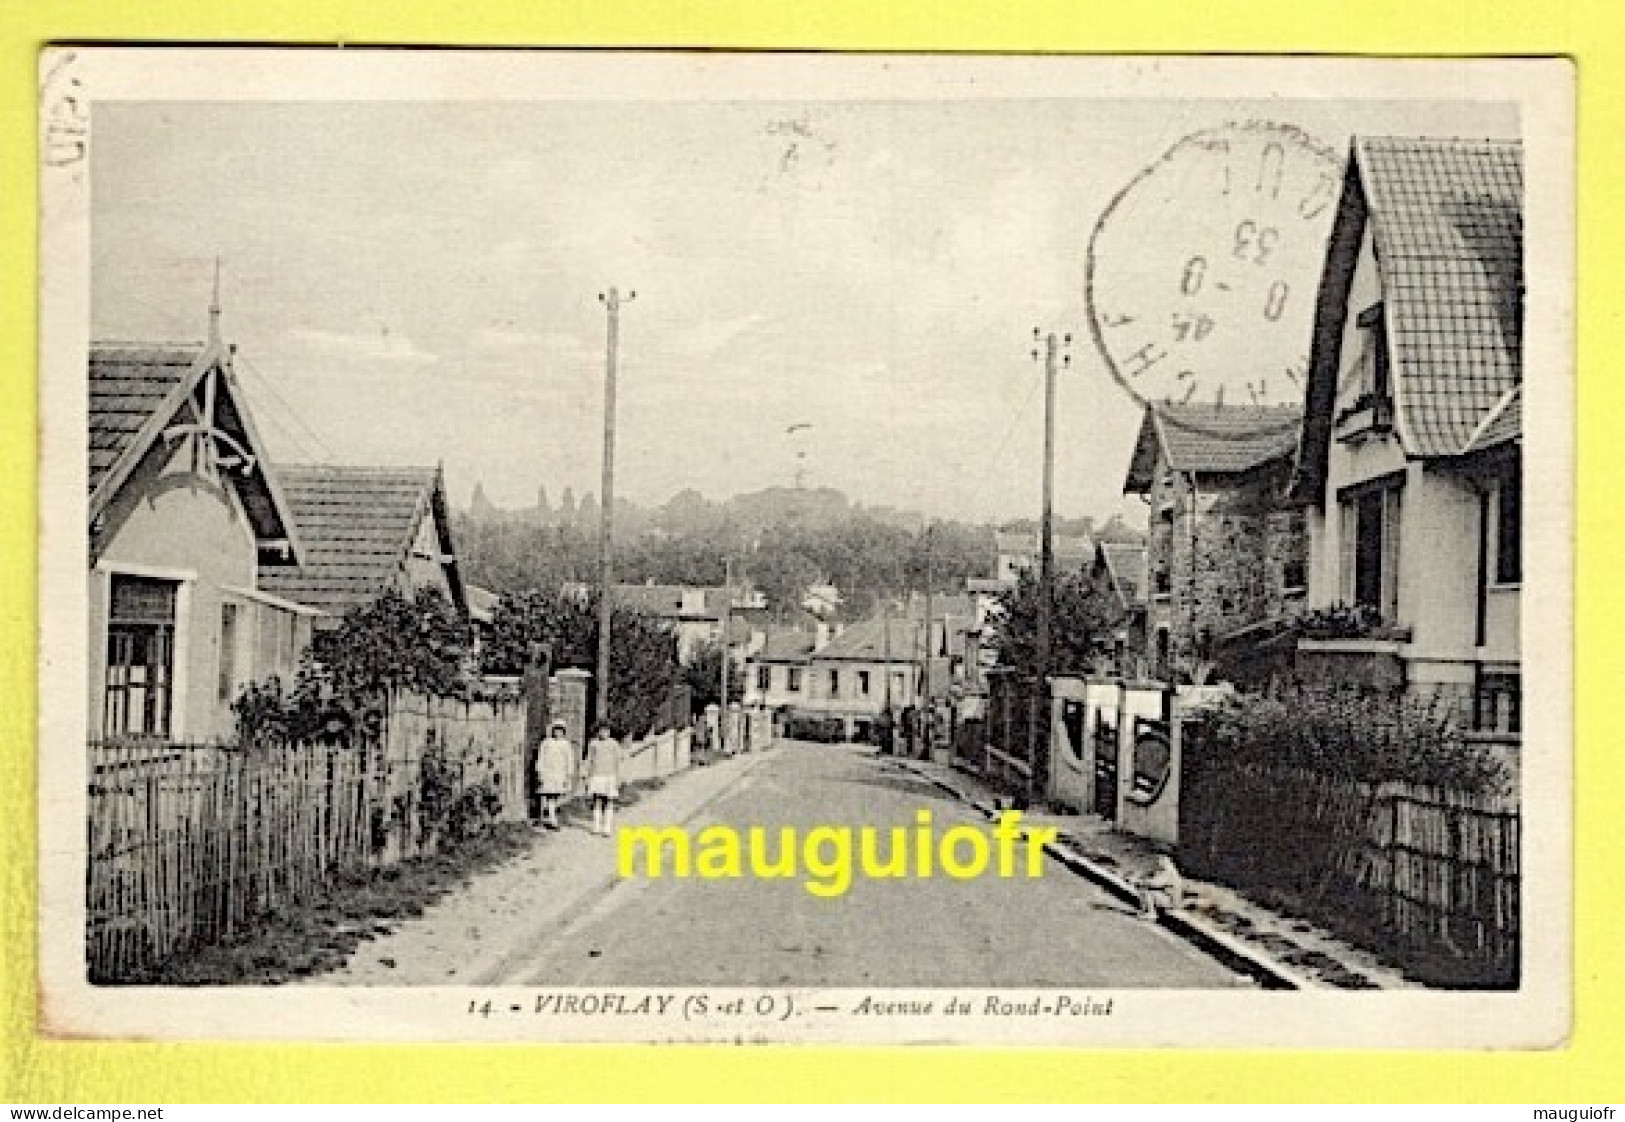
1587, 1070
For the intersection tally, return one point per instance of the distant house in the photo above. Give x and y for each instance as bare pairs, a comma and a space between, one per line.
1224, 549
822, 600
1411, 468
852, 676
776, 675
1119, 569
695, 615
366, 531
482, 607
1019, 552
188, 524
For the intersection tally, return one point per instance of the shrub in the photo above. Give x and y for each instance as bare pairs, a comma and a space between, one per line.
1353, 734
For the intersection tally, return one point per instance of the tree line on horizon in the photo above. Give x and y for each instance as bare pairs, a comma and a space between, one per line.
778, 540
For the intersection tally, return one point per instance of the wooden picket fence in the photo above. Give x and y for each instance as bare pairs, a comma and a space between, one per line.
189, 844
1428, 876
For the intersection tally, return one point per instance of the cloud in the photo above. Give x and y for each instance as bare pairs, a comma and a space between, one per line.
712, 335
382, 346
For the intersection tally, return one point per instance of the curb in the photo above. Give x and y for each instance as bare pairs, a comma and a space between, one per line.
1232, 952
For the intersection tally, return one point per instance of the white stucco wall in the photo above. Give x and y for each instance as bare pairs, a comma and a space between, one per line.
169, 523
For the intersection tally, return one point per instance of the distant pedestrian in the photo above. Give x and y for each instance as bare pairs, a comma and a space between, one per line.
603, 779
555, 768
1163, 890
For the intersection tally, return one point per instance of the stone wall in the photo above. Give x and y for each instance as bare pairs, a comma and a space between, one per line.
1227, 547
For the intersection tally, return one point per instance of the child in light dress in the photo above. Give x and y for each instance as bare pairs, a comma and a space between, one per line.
603, 779
555, 772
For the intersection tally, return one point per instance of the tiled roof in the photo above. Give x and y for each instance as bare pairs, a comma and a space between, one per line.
1501, 425
666, 600
128, 382
1448, 221
1125, 563
138, 390
866, 641
786, 644
1205, 438
357, 525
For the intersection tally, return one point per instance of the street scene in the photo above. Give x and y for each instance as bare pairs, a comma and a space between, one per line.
551, 542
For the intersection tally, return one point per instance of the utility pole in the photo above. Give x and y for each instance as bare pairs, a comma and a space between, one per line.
727, 621
930, 650
1053, 360
606, 515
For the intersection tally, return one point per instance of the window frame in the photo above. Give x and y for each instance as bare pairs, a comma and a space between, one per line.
1388, 492
158, 718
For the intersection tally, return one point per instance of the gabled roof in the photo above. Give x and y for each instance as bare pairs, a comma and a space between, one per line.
137, 391
1446, 218
786, 644
667, 600
866, 641
1448, 221
359, 525
1501, 425
1211, 440
1124, 563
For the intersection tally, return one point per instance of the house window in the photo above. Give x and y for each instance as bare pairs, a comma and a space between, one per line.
1374, 375
792, 680
1370, 548
140, 656
899, 684
863, 683
1293, 576
228, 650
835, 683
764, 677
1509, 529
1498, 702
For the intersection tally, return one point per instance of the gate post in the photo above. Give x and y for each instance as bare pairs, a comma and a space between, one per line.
534, 689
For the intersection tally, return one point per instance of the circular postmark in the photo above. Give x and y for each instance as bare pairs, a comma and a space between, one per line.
1202, 273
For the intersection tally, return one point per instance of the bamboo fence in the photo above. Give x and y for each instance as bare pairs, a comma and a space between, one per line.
189, 844
1431, 876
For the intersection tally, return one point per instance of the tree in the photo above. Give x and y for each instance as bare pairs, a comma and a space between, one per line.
642, 650
1081, 617
703, 676
348, 673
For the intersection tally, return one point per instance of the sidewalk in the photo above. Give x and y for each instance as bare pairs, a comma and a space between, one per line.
490, 928
1281, 951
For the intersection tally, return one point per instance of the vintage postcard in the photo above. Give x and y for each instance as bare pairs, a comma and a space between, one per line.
543, 546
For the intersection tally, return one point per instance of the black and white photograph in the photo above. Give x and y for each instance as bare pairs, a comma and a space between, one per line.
806, 548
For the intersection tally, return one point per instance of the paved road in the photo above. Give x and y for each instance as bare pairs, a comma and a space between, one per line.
1053, 931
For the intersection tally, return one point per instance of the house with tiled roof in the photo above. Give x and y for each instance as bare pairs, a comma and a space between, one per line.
1224, 550
1017, 552
696, 614
188, 522
1410, 469
365, 531
1119, 571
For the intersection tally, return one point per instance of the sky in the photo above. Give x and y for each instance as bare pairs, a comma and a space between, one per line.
418, 282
